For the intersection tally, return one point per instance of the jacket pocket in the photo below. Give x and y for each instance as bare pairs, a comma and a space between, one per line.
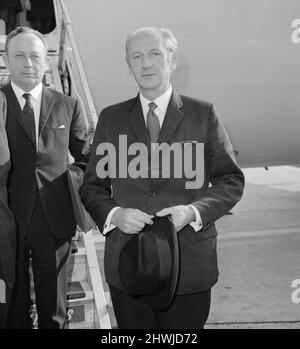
207, 234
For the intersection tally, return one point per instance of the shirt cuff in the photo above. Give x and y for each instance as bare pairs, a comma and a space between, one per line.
197, 224
108, 226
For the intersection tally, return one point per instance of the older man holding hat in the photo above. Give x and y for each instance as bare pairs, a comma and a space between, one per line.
160, 253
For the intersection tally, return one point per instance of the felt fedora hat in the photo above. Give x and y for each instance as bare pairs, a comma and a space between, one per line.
149, 263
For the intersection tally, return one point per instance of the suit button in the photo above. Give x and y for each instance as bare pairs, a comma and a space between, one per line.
153, 194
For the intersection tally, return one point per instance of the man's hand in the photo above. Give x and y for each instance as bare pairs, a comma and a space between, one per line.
181, 215
130, 220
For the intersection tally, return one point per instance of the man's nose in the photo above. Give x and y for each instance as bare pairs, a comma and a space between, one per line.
146, 62
28, 62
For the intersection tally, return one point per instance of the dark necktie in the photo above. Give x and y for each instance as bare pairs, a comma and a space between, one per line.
29, 116
153, 123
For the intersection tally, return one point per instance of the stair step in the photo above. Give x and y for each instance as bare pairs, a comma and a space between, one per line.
80, 309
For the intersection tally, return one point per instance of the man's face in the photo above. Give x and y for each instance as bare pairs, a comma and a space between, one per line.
150, 63
26, 60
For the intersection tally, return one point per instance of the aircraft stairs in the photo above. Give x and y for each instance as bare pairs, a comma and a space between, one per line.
89, 304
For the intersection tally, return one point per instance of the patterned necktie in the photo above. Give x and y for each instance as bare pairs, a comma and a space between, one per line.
29, 116
153, 123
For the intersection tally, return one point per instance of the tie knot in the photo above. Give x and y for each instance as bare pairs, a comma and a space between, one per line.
27, 96
152, 106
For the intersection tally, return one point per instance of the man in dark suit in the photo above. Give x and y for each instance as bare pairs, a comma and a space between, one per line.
42, 126
121, 202
7, 224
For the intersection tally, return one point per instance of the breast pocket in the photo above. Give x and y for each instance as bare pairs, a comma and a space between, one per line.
60, 128
59, 136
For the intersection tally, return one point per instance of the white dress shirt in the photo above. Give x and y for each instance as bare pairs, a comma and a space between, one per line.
36, 100
162, 103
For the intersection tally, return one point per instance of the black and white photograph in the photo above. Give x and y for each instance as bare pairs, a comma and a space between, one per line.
149, 167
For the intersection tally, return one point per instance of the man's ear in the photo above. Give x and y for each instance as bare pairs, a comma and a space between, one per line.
174, 60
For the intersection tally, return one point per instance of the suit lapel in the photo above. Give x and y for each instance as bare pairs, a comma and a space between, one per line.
172, 118
137, 122
46, 107
15, 109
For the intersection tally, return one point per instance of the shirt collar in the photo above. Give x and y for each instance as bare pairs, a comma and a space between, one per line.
162, 102
36, 92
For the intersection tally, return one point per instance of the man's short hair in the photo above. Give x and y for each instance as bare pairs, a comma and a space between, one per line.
168, 37
24, 30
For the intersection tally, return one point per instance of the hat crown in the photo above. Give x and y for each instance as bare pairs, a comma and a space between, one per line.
146, 266
149, 263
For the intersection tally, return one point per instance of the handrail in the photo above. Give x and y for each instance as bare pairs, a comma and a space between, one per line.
67, 32
74, 86
69, 62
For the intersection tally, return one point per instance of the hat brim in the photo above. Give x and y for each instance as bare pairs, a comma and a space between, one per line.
165, 227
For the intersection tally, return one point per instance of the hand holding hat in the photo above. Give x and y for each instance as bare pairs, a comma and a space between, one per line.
130, 220
149, 263
181, 215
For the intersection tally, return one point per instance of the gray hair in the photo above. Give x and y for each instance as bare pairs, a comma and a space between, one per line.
24, 30
167, 36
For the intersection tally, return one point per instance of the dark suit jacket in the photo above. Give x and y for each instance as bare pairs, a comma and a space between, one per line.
7, 222
186, 119
62, 127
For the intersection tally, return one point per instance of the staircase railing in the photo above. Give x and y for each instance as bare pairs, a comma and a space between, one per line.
74, 83
72, 72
